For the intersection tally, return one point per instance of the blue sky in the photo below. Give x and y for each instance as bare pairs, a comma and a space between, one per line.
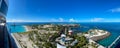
64, 11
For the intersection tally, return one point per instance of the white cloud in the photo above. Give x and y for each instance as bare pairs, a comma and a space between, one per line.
72, 20
61, 19
57, 20
115, 10
97, 19
15, 20
18, 20
54, 20
113, 20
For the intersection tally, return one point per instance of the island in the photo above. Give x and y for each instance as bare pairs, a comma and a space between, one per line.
59, 36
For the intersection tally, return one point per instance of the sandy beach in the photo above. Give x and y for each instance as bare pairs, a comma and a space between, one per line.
22, 40
16, 36
27, 28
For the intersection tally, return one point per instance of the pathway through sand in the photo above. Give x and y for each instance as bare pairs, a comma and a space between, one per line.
23, 40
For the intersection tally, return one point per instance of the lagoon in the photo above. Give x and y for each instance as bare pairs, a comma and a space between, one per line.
18, 28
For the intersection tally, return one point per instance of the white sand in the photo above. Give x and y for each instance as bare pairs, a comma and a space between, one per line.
24, 40
26, 28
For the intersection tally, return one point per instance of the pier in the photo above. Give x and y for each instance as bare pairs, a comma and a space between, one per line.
117, 39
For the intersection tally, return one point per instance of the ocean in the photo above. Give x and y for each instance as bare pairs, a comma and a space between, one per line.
112, 27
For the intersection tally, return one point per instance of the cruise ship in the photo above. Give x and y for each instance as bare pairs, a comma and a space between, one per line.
6, 40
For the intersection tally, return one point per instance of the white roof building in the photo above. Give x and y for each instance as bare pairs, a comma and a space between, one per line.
63, 35
70, 31
60, 46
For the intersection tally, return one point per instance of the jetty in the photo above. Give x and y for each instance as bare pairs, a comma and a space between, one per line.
113, 44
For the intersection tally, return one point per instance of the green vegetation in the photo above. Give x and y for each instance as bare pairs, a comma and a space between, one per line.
49, 45
34, 26
42, 40
47, 40
54, 36
94, 45
82, 42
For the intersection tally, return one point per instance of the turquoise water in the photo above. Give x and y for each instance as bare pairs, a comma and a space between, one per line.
17, 28
113, 28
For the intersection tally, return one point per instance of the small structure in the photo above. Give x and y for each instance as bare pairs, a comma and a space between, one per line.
48, 26
66, 40
60, 46
63, 36
74, 42
70, 32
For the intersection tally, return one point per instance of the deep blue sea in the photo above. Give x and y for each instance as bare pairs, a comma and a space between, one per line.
112, 27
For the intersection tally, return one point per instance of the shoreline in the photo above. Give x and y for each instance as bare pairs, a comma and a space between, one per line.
99, 45
99, 36
26, 28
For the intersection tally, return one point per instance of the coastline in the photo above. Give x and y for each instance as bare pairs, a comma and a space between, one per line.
27, 28
22, 40
99, 46
106, 42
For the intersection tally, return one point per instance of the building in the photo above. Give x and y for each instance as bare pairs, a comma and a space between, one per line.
70, 32
6, 40
63, 39
60, 46
3, 11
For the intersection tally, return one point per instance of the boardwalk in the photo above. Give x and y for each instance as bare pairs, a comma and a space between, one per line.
114, 42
